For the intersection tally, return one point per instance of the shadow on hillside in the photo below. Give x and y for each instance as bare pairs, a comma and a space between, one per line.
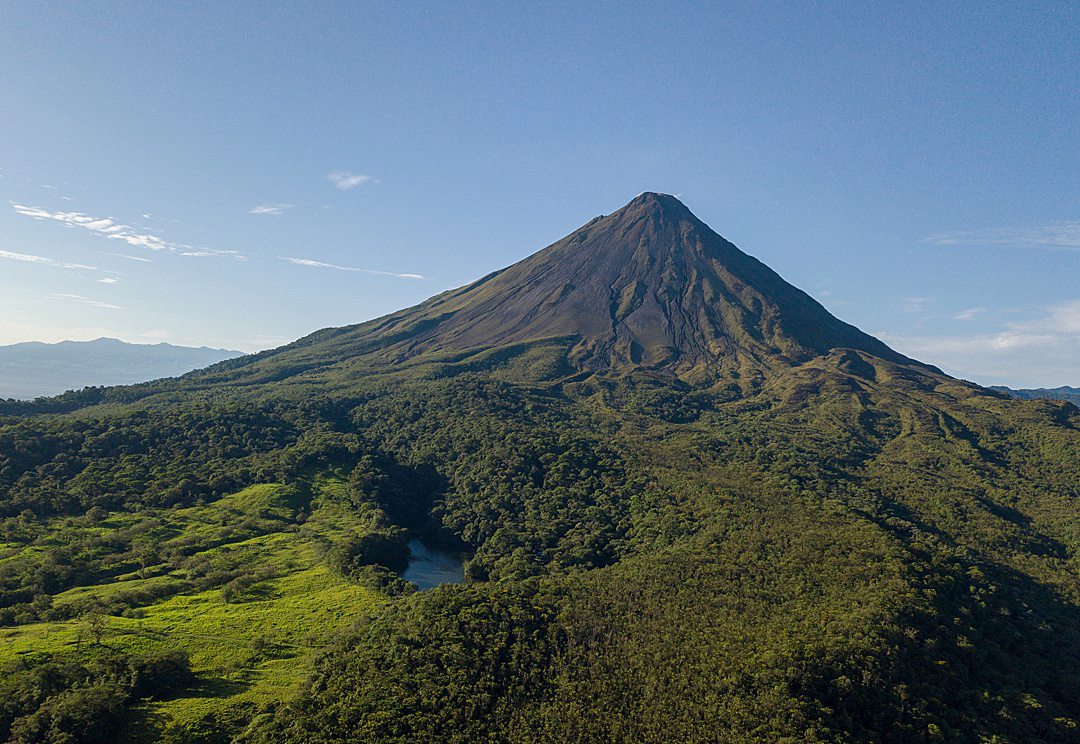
150, 723
215, 687
994, 647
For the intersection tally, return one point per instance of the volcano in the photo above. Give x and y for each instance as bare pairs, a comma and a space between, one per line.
690, 504
648, 287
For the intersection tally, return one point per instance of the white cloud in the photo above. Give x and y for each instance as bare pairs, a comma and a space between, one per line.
271, 209
321, 265
151, 242
970, 314
109, 280
140, 259
42, 260
1061, 318
202, 252
344, 180
1042, 352
917, 304
85, 301
100, 225
112, 230
1061, 235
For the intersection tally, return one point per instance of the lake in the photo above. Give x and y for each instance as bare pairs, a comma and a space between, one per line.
429, 567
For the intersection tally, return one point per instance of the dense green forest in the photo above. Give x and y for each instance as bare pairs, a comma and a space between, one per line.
826, 565
827, 544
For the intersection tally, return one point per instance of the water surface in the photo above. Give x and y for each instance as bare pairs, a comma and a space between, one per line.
429, 567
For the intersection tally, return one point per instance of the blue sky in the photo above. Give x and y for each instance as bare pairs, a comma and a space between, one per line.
238, 175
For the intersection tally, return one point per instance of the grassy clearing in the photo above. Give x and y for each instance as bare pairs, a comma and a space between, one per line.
248, 649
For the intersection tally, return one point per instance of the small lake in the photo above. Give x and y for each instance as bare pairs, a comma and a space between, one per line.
429, 567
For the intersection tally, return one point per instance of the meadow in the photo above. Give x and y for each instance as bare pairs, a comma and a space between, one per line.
250, 642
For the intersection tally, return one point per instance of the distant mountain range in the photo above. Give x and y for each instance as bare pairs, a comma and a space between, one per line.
31, 370
1064, 392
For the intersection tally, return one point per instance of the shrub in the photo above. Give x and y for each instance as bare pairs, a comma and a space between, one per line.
386, 546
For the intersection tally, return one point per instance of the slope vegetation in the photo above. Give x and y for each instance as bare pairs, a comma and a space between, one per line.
696, 506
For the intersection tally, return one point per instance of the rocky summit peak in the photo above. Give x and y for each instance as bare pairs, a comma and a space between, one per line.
653, 210
658, 202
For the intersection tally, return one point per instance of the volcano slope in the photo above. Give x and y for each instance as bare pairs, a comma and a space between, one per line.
697, 507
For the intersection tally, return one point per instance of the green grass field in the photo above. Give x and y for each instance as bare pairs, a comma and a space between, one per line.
246, 650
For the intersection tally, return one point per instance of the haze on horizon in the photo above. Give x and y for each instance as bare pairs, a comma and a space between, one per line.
239, 176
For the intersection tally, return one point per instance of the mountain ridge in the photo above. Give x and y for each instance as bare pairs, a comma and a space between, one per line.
1064, 392
34, 369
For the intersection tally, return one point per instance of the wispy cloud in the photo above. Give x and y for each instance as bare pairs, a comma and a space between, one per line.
322, 265
108, 228
205, 252
344, 180
1039, 352
99, 225
44, 261
1063, 318
271, 209
85, 301
140, 259
917, 304
109, 280
969, 314
1060, 235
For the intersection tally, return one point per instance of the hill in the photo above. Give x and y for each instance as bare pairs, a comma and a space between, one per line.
1070, 394
695, 507
33, 370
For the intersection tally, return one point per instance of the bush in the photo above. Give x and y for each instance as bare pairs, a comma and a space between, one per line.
82, 714
160, 674
386, 546
44, 700
382, 580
